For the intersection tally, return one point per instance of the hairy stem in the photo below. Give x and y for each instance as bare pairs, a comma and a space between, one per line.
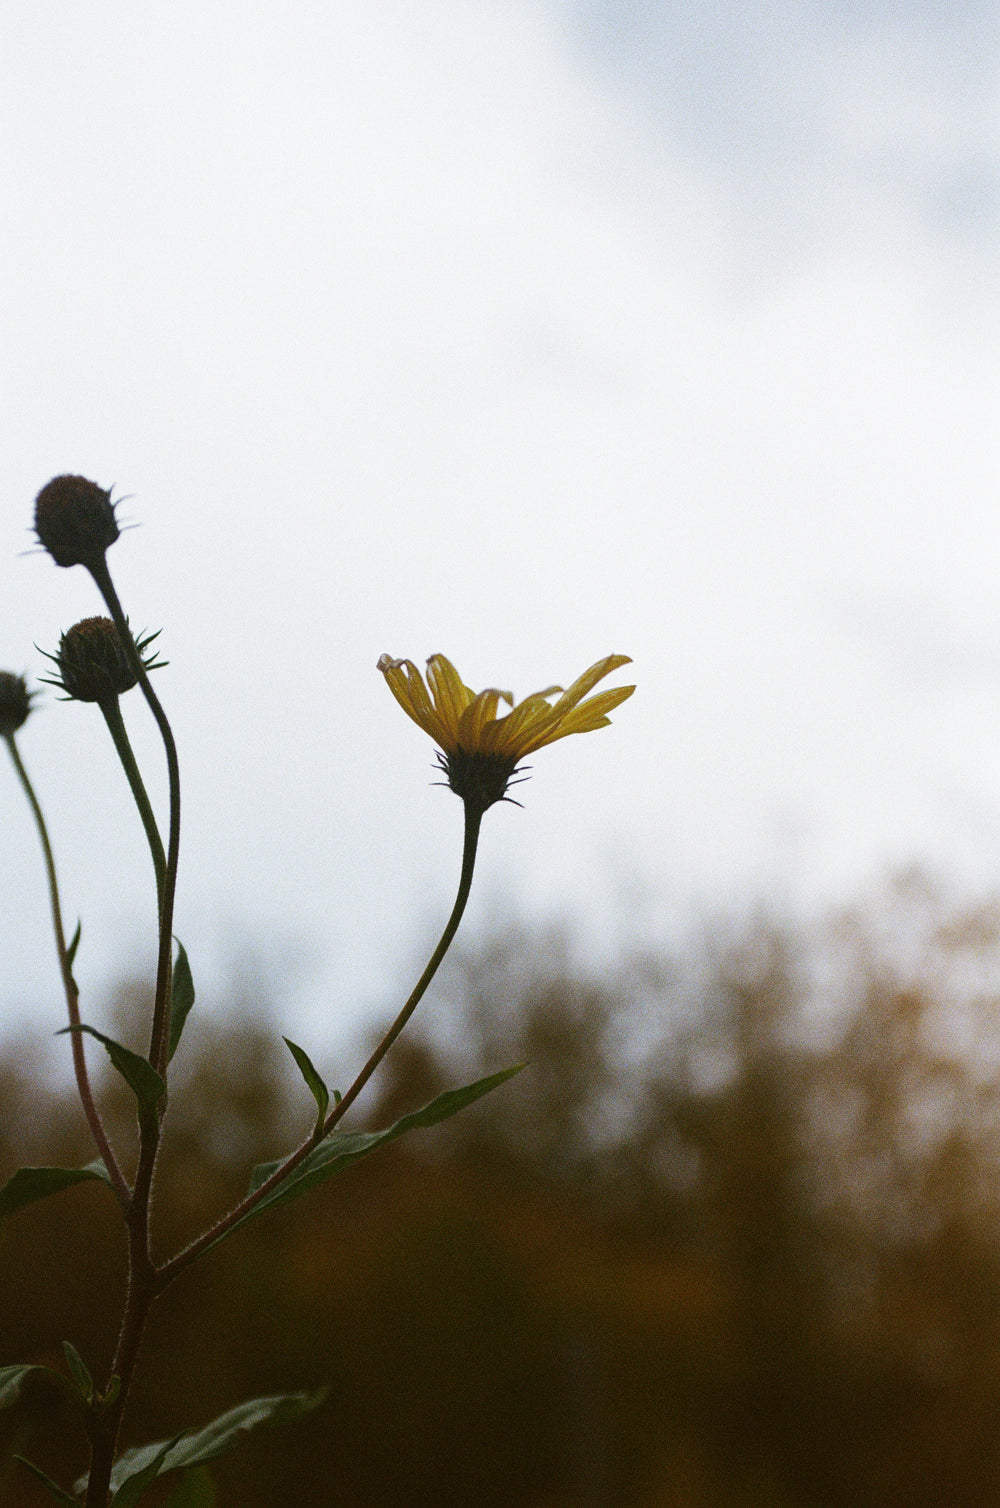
105, 1421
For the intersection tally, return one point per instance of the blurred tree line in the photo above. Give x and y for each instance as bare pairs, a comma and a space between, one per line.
731, 1238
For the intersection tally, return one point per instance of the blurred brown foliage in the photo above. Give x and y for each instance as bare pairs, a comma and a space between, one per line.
732, 1238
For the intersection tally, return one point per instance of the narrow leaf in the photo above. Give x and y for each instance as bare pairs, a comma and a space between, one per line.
317, 1088
141, 1077
30, 1184
197, 1447
56, 1491
78, 1371
181, 998
343, 1147
340, 1148
11, 1379
194, 1490
74, 944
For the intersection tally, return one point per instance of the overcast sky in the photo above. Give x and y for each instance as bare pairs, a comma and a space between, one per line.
526, 332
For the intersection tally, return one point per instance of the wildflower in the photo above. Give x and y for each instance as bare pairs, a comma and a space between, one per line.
15, 703
479, 751
75, 521
93, 663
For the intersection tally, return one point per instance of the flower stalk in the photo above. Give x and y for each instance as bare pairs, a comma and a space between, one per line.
171, 1269
72, 994
159, 1034
112, 713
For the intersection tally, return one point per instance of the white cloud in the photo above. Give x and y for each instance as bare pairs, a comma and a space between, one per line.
409, 336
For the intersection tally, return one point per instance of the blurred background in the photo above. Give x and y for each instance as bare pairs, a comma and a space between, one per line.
731, 1238
528, 331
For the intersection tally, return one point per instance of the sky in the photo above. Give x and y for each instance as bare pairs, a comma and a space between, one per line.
525, 332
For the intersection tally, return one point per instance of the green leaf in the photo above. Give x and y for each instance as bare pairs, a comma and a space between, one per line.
11, 1379
181, 998
194, 1490
78, 1371
10, 1383
140, 1075
197, 1447
56, 1491
317, 1088
30, 1184
343, 1147
133, 1472
133, 1486
74, 944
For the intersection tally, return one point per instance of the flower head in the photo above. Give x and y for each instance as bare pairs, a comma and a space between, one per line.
93, 663
15, 702
75, 521
479, 751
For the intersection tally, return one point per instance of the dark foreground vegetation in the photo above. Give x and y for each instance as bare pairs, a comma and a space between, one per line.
732, 1240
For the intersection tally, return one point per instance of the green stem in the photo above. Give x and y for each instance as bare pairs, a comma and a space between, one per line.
111, 708
105, 1426
473, 820
183, 1259
69, 985
160, 1032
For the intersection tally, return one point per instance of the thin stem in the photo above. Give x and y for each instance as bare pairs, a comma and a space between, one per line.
159, 1035
183, 1259
111, 708
473, 820
69, 985
142, 1289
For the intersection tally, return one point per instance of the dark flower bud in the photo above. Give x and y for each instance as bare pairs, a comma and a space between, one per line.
75, 521
93, 663
15, 702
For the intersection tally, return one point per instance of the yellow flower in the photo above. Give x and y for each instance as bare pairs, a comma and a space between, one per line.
479, 751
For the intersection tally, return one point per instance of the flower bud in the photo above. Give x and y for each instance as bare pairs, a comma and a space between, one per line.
92, 661
75, 521
15, 702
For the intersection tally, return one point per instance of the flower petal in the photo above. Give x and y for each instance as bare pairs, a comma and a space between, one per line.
451, 697
508, 735
588, 680
481, 711
589, 715
407, 686
480, 751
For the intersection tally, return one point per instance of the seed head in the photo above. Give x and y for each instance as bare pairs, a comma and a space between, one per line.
93, 663
15, 702
75, 521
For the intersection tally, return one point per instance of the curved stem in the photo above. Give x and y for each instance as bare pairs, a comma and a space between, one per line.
183, 1259
159, 1035
116, 727
473, 820
69, 985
